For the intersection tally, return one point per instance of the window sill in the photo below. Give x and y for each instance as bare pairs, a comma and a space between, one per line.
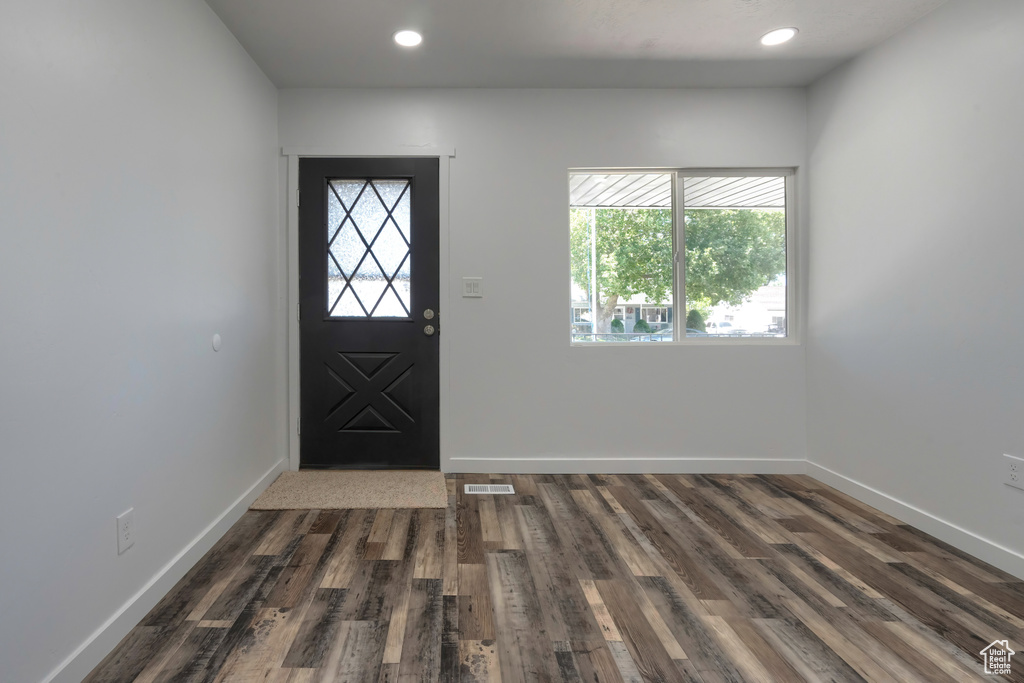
696, 341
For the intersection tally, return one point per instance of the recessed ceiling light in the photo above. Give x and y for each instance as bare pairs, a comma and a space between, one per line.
778, 36
408, 38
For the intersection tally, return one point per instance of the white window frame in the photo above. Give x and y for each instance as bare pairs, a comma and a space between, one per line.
647, 307
793, 277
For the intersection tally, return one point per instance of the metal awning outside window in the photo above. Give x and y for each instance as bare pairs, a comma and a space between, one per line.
654, 190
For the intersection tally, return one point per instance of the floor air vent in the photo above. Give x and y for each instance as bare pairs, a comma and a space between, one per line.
489, 488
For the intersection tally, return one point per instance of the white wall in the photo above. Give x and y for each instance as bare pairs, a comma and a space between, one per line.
915, 366
138, 200
517, 389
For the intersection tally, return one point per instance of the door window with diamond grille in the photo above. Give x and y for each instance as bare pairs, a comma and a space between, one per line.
368, 268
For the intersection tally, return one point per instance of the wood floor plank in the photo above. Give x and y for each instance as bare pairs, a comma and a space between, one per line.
397, 622
379, 533
804, 651
555, 577
132, 657
295, 579
841, 642
429, 553
727, 574
641, 640
284, 531
842, 515
964, 604
490, 530
243, 587
478, 661
936, 653
979, 568
523, 652
799, 582
624, 663
327, 521
610, 500
772, 507
451, 662
398, 536
580, 531
872, 514
628, 550
773, 663
568, 671
475, 613
159, 660
600, 610
920, 663
883, 578
273, 631
467, 521
450, 560
711, 661
356, 655
744, 658
742, 511
682, 562
211, 596
321, 622
594, 661
853, 593
389, 673
421, 651
507, 523
746, 543
579, 579
191, 661
354, 534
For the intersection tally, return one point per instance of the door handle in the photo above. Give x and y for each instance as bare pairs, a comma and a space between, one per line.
428, 330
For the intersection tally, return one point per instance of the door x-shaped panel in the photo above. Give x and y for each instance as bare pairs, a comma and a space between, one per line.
370, 391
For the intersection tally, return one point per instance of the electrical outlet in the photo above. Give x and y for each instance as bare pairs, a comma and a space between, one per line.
1013, 471
125, 530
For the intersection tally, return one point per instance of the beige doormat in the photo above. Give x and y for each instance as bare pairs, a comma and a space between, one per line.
340, 490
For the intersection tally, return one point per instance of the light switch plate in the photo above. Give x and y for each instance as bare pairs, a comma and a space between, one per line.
472, 287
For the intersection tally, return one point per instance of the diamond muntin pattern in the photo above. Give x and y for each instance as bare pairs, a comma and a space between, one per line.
367, 228
342, 250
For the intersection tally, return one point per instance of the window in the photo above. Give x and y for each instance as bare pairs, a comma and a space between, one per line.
715, 241
654, 315
581, 320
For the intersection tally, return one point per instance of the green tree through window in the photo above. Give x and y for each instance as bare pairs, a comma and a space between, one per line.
730, 253
634, 256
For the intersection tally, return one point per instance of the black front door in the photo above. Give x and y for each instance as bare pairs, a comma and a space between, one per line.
368, 294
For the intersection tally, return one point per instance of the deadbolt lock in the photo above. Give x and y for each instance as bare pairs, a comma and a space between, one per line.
428, 314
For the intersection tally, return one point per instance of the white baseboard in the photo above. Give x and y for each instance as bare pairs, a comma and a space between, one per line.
665, 465
90, 653
969, 542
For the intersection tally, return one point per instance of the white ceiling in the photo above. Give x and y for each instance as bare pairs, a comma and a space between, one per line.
558, 43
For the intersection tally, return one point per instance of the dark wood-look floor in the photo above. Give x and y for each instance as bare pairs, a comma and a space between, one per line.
578, 579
